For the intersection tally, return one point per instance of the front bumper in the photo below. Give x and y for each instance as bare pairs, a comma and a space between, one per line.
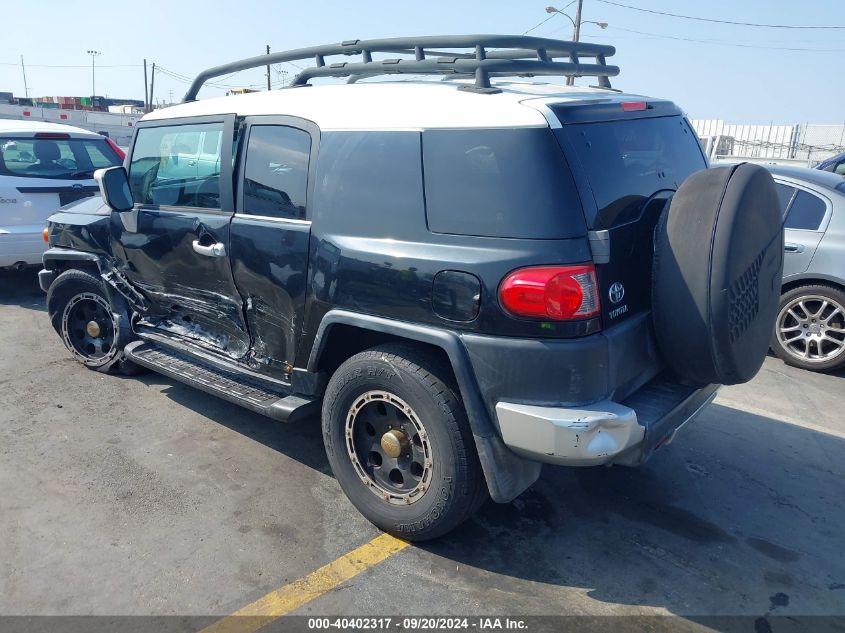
606, 432
46, 279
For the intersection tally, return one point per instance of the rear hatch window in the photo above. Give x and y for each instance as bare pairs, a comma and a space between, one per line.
627, 161
627, 167
55, 158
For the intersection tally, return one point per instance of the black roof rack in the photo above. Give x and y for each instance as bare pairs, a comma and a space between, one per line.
489, 56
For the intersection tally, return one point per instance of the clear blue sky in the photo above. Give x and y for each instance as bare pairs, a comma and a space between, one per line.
727, 76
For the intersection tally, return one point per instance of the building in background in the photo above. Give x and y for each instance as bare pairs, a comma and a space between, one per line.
115, 118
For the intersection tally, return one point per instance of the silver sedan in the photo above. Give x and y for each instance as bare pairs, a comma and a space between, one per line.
810, 329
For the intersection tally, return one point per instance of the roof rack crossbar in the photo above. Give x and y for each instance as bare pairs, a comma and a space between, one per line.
487, 56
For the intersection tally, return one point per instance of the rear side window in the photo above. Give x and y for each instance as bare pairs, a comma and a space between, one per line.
276, 171
806, 213
499, 183
55, 158
628, 161
369, 182
167, 170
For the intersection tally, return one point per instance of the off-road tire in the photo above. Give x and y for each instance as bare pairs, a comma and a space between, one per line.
414, 377
77, 289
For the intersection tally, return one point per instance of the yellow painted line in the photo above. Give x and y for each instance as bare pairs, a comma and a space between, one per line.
290, 597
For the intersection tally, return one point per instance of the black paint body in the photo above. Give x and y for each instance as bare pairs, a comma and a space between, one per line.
365, 246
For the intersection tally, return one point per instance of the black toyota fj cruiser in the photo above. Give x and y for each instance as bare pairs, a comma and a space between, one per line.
467, 278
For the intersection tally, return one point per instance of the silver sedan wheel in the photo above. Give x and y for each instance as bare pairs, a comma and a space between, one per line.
812, 328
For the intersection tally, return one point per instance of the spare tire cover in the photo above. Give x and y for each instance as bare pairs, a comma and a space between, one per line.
718, 261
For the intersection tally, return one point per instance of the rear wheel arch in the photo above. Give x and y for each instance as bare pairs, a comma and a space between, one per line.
342, 341
507, 474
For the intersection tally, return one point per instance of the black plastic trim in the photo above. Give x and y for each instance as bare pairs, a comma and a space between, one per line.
62, 189
507, 474
53, 255
488, 55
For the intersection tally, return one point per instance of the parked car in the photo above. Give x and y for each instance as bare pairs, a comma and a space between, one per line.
42, 167
467, 279
810, 329
835, 165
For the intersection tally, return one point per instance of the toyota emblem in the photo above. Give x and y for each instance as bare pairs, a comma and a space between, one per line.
616, 292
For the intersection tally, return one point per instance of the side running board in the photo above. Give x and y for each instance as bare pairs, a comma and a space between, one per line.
227, 383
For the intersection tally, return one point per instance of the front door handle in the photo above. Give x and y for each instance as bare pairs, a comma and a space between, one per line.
214, 250
792, 247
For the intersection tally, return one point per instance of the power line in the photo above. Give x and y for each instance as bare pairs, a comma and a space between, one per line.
735, 44
700, 19
72, 65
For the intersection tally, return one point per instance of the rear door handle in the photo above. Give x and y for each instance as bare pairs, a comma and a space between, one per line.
792, 247
214, 250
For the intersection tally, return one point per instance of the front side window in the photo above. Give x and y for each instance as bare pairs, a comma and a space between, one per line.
806, 213
167, 168
276, 172
55, 158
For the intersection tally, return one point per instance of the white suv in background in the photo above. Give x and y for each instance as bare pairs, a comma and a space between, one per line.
43, 166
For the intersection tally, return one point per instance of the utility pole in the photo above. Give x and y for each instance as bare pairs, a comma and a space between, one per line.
152, 86
170, 96
268, 69
576, 35
146, 89
93, 55
25, 88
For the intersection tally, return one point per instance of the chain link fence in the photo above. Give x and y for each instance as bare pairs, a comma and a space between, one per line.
804, 144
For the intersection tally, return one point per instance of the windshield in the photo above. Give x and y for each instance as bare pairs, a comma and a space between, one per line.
55, 158
628, 161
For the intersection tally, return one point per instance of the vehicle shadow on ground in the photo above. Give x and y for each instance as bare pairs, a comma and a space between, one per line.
21, 288
302, 442
738, 515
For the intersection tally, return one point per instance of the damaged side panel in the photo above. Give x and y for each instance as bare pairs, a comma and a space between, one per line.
191, 294
269, 264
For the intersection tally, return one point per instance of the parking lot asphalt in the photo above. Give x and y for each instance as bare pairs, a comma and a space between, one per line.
142, 496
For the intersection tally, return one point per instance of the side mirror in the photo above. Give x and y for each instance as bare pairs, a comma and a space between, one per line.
114, 187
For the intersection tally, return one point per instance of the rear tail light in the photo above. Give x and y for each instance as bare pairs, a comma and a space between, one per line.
560, 293
58, 136
121, 154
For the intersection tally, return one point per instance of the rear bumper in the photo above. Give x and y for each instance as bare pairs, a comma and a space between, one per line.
606, 432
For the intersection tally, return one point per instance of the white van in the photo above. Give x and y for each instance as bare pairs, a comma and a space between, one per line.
43, 166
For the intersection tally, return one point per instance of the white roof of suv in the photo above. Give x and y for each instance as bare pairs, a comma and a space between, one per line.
19, 127
398, 105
